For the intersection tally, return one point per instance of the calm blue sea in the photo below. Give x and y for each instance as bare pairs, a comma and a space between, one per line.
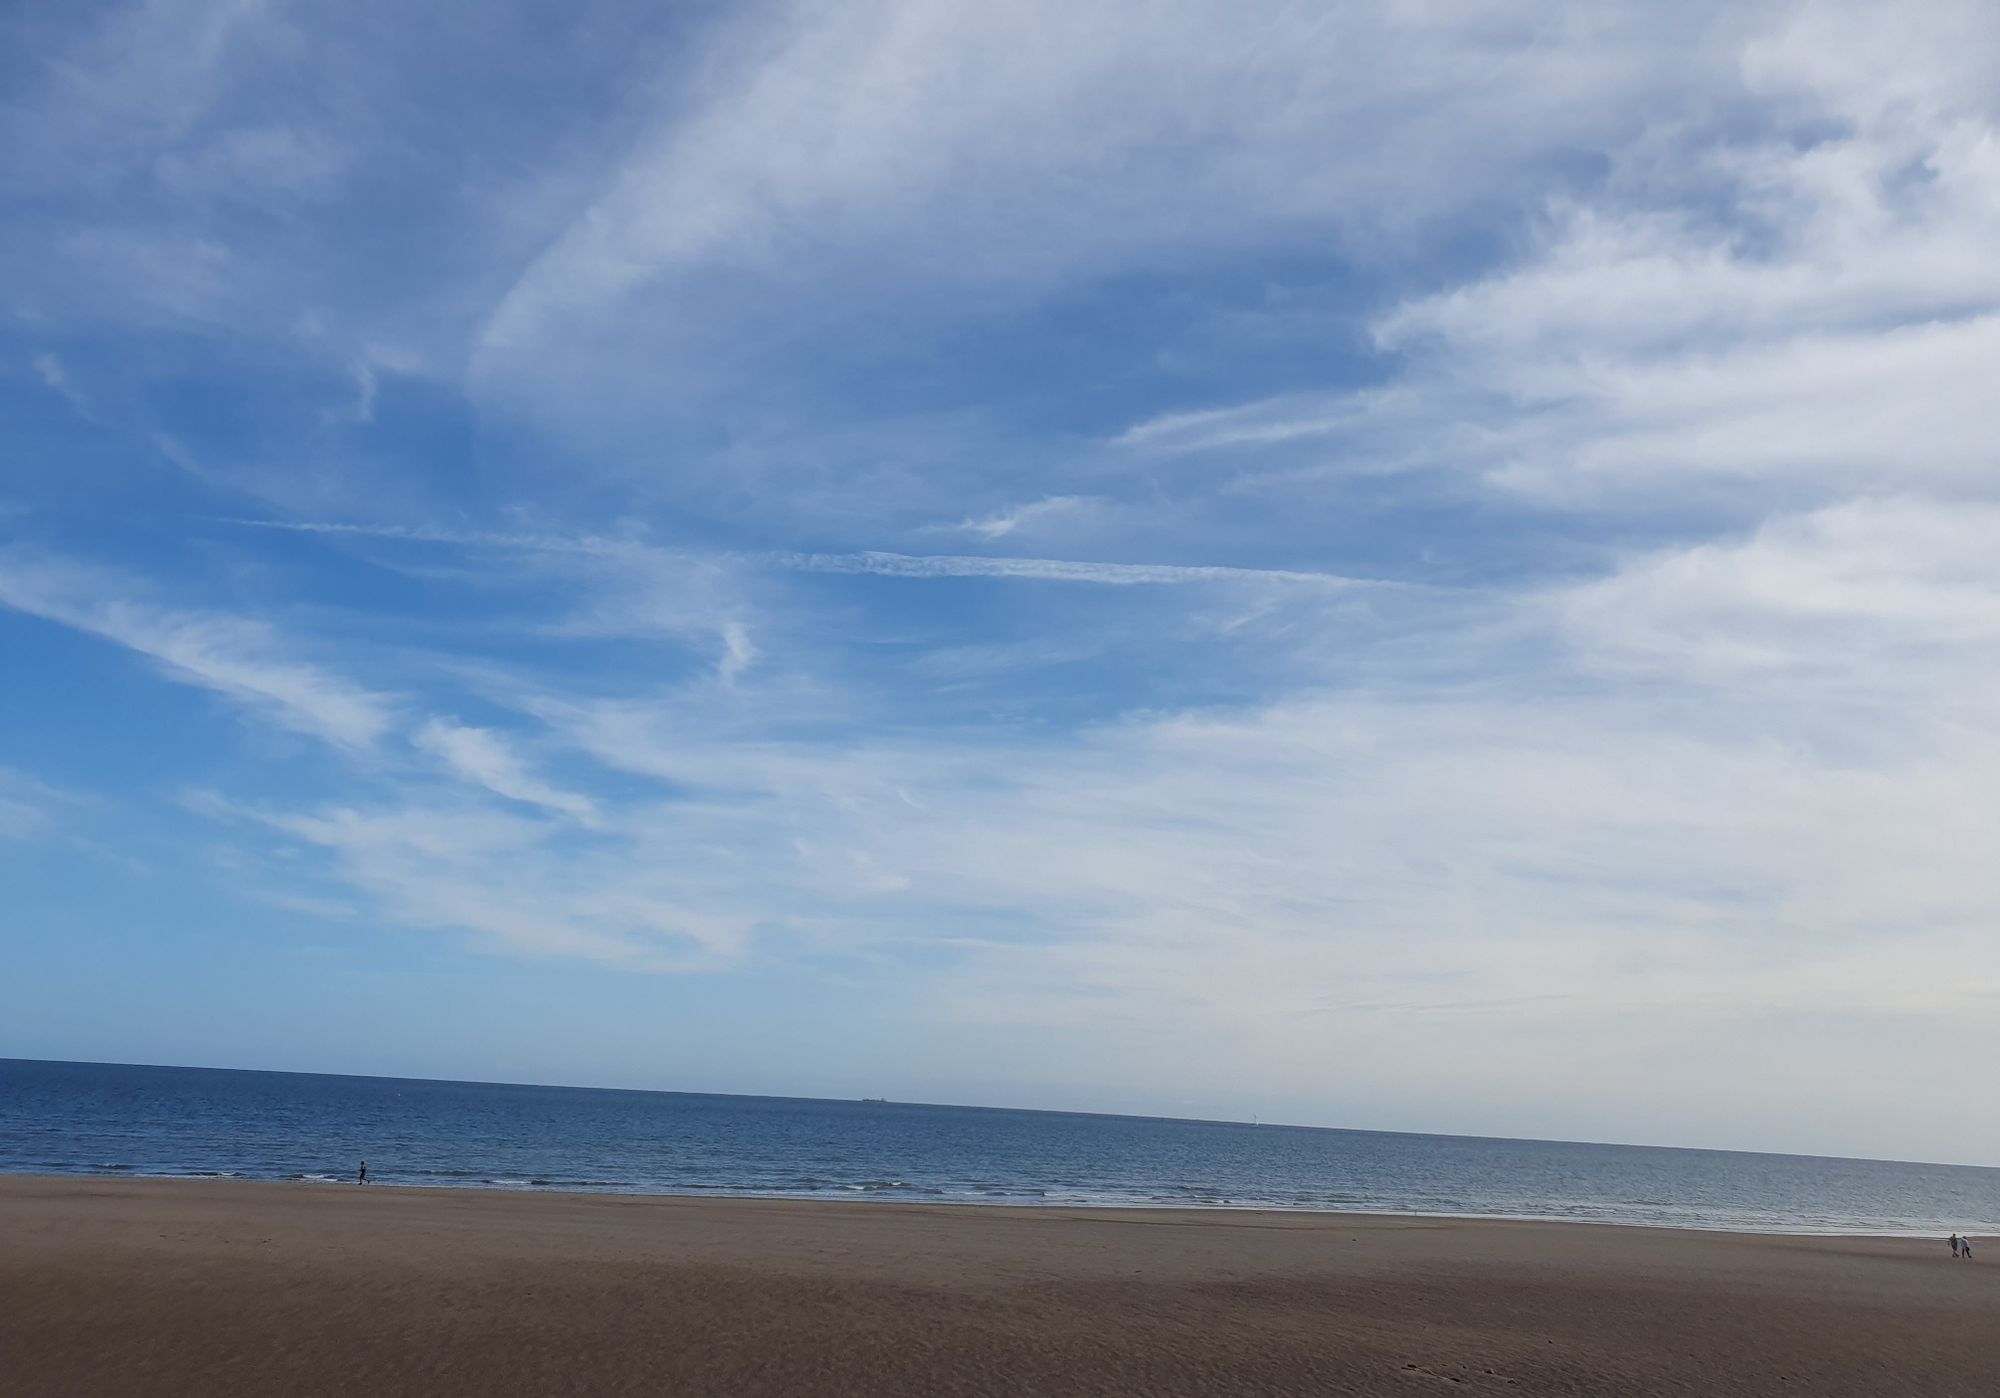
94, 1118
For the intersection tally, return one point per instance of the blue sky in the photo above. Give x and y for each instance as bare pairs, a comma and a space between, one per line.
1421, 565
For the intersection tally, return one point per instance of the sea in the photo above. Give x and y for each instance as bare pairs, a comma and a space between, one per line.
123, 1120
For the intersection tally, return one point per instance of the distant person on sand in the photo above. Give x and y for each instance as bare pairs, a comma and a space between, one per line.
362, 1178
1965, 1249
1954, 1245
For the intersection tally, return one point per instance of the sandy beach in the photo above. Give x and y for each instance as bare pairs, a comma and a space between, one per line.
217, 1287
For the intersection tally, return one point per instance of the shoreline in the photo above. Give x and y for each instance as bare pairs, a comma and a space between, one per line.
532, 1190
112, 1285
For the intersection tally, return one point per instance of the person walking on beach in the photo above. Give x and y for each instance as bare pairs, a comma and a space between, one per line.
1954, 1245
1965, 1249
362, 1178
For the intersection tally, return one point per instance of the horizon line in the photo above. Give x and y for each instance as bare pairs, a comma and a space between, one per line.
990, 1107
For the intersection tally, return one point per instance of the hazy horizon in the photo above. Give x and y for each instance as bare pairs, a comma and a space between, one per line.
1433, 559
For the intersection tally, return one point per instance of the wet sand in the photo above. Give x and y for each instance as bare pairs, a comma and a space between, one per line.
218, 1288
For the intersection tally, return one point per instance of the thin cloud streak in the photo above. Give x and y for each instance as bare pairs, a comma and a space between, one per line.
871, 561
238, 658
483, 757
902, 565
55, 377
1009, 521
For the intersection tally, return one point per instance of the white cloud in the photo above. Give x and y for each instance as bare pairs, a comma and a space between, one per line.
1898, 594
900, 565
124, 88
1685, 386
622, 586
365, 373
1323, 873
26, 804
365, 387
56, 379
435, 534
484, 757
1022, 147
1004, 522
739, 652
1267, 422
513, 883
239, 658
681, 567
1744, 316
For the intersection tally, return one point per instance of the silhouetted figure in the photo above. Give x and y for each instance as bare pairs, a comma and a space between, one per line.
1954, 1245
362, 1178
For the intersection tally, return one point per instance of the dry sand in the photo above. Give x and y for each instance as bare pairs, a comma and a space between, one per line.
220, 1288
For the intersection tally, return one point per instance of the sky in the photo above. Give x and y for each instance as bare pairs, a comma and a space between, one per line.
1424, 565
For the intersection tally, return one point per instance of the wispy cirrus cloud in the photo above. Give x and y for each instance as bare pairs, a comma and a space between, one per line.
900, 565
868, 561
1476, 582
56, 378
510, 882
28, 804
484, 757
885, 145
1002, 523
241, 659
